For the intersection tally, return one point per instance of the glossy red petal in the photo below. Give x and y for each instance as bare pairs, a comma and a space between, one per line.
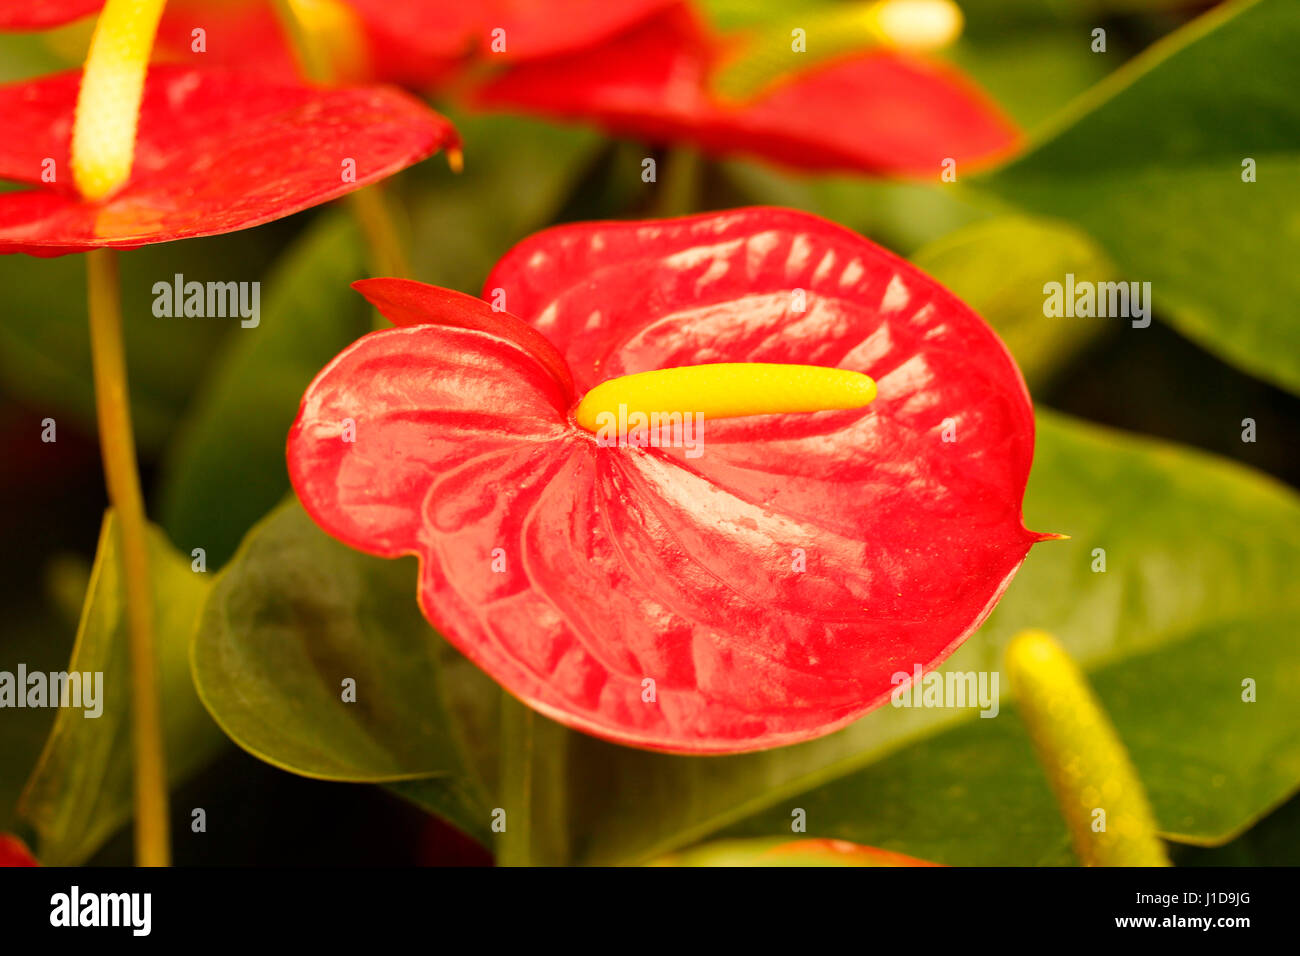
877, 111
906, 116
400, 408
13, 852
43, 14
216, 152
406, 302
771, 587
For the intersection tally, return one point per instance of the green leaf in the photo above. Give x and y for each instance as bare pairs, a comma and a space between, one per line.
900, 216
1032, 74
227, 469
1151, 164
1274, 841
81, 790
999, 267
1197, 596
545, 798
315, 658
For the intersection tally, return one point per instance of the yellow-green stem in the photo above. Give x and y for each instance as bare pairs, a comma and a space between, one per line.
387, 250
681, 183
315, 47
117, 445
517, 747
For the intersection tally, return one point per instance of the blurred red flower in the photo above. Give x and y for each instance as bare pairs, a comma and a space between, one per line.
43, 14
875, 110
415, 42
645, 69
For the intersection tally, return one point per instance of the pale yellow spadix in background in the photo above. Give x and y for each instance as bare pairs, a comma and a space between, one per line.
914, 24
108, 105
1087, 766
327, 38
728, 390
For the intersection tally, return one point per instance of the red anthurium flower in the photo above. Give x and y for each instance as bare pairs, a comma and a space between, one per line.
215, 152
529, 28
246, 35
419, 43
250, 36
757, 589
13, 852
42, 14
878, 110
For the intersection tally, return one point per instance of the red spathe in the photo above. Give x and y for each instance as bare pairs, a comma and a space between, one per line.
215, 152
766, 590
874, 111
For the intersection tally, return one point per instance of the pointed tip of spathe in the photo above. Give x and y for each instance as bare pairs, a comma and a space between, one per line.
1040, 536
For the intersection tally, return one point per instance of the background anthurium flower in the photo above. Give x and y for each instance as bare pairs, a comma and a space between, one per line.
419, 43
215, 152
537, 28
42, 14
767, 852
876, 110
576, 574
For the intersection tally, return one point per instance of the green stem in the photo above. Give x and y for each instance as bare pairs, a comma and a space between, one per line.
117, 446
517, 750
680, 186
387, 250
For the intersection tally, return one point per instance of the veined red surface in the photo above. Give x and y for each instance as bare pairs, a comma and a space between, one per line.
769, 588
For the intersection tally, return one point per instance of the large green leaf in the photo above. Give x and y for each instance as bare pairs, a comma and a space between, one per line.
291, 621
227, 467
1151, 165
1197, 596
1213, 767
81, 790
1032, 74
999, 267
